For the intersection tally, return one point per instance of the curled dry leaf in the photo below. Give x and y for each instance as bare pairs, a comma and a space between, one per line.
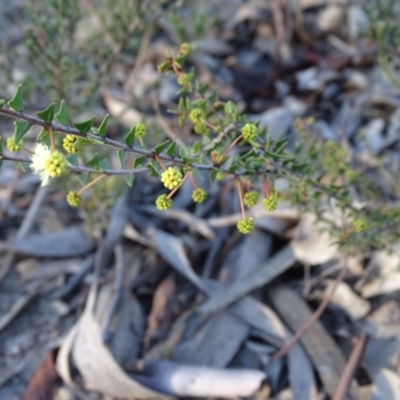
99, 370
186, 380
312, 244
345, 298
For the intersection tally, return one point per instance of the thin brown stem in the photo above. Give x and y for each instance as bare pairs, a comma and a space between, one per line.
351, 366
51, 136
240, 192
318, 312
231, 146
93, 182
130, 149
193, 180
158, 159
177, 188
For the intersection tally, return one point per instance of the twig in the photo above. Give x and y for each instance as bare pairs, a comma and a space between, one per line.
130, 149
24, 229
352, 363
19, 306
317, 314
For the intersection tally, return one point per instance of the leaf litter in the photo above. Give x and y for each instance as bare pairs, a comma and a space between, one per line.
143, 314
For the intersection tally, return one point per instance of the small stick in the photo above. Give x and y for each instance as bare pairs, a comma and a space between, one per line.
318, 312
352, 363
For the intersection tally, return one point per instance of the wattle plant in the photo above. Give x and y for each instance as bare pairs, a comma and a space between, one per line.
227, 146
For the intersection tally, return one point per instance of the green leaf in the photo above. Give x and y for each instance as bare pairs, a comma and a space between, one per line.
47, 114
94, 162
196, 148
129, 179
230, 108
104, 163
153, 167
170, 151
130, 136
102, 131
17, 102
24, 166
181, 104
213, 175
121, 156
1, 146
196, 173
158, 149
280, 145
82, 142
85, 126
72, 159
142, 143
44, 137
203, 88
183, 151
61, 115
138, 161
189, 160
83, 178
20, 129
213, 97
2, 102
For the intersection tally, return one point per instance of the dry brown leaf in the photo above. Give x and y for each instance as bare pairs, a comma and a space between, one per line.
99, 370
311, 245
41, 385
347, 299
193, 381
322, 350
171, 249
70, 242
160, 314
206, 339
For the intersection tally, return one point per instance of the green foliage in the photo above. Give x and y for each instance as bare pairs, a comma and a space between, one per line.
321, 175
384, 28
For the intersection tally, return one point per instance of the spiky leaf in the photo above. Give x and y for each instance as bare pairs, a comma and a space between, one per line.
17, 102
20, 129
129, 179
61, 115
102, 130
121, 156
158, 149
47, 114
85, 126
138, 161
170, 151
130, 137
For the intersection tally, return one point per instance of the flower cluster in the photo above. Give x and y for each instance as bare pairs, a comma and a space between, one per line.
245, 225
271, 202
171, 178
250, 198
199, 195
196, 116
185, 80
249, 132
74, 199
47, 164
163, 202
69, 142
140, 130
359, 225
11, 146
